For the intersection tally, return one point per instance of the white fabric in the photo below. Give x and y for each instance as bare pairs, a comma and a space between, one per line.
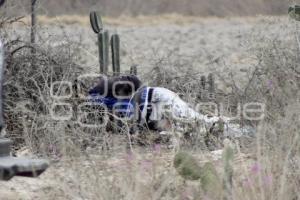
167, 103
144, 111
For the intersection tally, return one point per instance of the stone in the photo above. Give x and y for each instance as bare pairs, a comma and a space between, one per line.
11, 166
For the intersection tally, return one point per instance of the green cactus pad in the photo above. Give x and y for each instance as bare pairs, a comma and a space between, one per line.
96, 22
228, 157
115, 49
211, 82
228, 154
210, 181
203, 82
187, 166
103, 46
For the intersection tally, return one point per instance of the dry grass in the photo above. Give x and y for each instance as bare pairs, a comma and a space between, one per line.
141, 20
96, 164
268, 169
155, 7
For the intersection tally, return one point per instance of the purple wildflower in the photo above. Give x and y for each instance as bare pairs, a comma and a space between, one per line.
255, 168
270, 84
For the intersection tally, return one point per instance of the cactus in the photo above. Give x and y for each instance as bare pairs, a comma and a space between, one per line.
228, 156
33, 25
103, 45
202, 93
115, 49
103, 41
189, 169
133, 70
211, 86
211, 83
294, 12
203, 82
210, 181
96, 22
187, 166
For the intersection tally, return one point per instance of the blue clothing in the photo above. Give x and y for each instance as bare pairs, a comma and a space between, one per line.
122, 108
109, 102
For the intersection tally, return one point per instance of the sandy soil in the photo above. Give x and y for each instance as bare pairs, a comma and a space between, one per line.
209, 45
89, 177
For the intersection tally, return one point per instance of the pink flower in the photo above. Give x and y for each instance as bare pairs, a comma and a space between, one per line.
255, 168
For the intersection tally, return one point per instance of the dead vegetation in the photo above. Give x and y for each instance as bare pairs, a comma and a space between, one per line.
268, 169
93, 164
30, 71
156, 7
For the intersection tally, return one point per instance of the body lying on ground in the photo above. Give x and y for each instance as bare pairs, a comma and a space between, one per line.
153, 107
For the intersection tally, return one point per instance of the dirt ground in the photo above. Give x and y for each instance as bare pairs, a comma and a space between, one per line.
90, 177
206, 45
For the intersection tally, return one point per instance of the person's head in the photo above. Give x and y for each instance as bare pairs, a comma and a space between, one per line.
123, 86
126, 85
103, 88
